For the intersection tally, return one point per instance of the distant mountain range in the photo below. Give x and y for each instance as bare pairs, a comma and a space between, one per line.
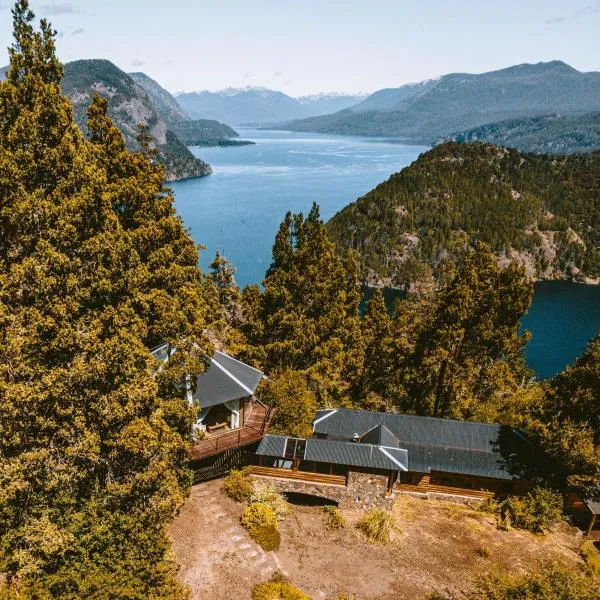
439, 108
135, 98
199, 132
260, 106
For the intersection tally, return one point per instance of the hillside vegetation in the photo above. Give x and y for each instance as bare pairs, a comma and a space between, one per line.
540, 211
459, 101
129, 105
549, 134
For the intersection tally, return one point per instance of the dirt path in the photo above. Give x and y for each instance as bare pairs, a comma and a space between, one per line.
208, 535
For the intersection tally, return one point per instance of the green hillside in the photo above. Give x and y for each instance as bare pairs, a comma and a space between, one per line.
542, 211
550, 134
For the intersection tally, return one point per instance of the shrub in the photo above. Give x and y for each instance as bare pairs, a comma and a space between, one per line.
278, 588
267, 537
266, 493
591, 557
537, 512
379, 526
258, 514
334, 519
483, 551
238, 486
551, 582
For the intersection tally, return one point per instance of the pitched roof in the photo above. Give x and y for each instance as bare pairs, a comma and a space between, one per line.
594, 504
342, 453
225, 380
380, 435
477, 449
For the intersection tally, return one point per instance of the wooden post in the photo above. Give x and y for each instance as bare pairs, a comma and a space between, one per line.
591, 525
390, 486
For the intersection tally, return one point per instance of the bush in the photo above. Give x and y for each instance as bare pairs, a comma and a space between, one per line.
334, 519
260, 521
551, 582
238, 486
267, 537
483, 551
591, 557
537, 512
379, 526
266, 493
258, 515
277, 589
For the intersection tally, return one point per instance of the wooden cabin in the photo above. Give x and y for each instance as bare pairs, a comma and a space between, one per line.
224, 393
419, 455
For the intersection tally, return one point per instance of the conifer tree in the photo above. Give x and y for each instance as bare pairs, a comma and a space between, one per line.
457, 352
570, 428
94, 269
307, 317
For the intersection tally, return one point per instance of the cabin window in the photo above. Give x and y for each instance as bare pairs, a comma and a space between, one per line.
294, 448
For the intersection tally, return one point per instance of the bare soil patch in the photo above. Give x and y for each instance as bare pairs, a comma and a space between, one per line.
443, 546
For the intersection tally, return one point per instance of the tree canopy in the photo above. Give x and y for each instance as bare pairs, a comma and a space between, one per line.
95, 269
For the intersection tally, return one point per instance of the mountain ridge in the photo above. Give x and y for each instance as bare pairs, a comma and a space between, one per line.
258, 105
438, 108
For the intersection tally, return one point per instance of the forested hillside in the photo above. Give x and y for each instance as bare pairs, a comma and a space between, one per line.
129, 106
550, 134
542, 212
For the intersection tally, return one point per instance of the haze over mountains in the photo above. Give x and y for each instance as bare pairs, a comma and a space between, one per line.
439, 108
260, 106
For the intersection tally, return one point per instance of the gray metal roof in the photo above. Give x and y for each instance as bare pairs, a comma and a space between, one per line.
380, 435
226, 378
594, 504
351, 454
272, 445
355, 454
478, 449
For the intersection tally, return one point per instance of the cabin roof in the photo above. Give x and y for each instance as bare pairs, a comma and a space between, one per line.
225, 380
594, 505
417, 444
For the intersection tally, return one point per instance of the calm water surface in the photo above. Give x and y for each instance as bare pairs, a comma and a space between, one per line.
240, 206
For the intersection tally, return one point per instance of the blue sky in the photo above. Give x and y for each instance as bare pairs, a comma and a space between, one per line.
310, 46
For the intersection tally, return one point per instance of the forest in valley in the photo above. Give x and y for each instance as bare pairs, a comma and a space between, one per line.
96, 269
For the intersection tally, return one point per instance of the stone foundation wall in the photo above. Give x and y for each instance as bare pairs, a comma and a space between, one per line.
363, 492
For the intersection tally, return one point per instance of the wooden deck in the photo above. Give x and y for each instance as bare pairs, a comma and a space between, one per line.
305, 476
257, 424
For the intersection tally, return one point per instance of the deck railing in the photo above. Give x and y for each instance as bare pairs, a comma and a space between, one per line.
231, 439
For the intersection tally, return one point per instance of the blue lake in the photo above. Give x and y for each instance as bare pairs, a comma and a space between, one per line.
239, 207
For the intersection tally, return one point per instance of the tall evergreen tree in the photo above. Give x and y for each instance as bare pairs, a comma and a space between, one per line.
307, 317
94, 269
459, 353
570, 428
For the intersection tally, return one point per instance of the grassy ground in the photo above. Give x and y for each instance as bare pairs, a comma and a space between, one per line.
442, 546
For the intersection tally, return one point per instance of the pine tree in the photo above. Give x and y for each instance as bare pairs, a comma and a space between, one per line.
94, 269
374, 387
307, 317
465, 349
570, 422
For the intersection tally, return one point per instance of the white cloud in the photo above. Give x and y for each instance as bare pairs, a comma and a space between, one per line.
138, 62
